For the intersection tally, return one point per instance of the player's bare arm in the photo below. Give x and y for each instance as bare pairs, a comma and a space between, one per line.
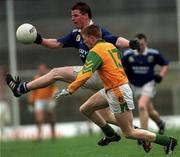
164, 70
123, 43
51, 43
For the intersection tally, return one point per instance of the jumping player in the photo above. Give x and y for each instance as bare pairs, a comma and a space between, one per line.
81, 17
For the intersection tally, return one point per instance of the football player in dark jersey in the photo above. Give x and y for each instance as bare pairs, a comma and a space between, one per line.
81, 17
140, 68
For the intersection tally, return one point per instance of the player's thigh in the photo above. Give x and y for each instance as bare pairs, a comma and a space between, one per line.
107, 115
63, 73
50, 109
51, 115
95, 102
105, 112
94, 82
39, 116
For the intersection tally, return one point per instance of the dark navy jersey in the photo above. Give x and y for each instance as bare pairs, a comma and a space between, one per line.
140, 67
75, 40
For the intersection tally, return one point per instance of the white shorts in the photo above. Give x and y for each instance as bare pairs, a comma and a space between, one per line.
47, 105
147, 89
121, 100
94, 82
5, 115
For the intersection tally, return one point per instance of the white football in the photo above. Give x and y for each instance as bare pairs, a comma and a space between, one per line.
26, 33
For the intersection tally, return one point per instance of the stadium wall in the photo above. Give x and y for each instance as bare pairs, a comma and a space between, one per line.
29, 132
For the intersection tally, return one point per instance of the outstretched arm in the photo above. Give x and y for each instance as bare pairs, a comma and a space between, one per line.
123, 43
163, 70
120, 42
93, 62
49, 43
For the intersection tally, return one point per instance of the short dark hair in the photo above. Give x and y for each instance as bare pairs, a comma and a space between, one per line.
93, 30
83, 7
141, 36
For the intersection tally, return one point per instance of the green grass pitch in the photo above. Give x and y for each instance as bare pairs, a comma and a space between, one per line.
83, 146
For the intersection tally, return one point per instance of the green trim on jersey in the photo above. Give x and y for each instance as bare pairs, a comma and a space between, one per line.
115, 51
93, 62
124, 107
96, 59
120, 54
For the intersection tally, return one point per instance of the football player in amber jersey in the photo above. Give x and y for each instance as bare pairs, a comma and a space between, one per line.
104, 58
42, 103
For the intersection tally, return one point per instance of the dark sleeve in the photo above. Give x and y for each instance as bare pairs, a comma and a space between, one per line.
68, 40
124, 60
107, 36
160, 60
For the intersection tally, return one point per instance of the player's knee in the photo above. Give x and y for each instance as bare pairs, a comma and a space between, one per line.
151, 113
142, 107
39, 121
86, 110
54, 73
83, 109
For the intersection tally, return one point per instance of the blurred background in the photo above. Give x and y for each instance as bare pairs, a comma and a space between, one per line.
158, 19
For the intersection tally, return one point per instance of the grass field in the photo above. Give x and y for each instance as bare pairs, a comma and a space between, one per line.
83, 146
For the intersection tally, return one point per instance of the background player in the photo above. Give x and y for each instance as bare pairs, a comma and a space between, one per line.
5, 114
140, 69
42, 102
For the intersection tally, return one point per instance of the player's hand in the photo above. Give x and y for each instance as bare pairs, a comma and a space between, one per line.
31, 108
38, 39
134, 44
62, 92
157, 78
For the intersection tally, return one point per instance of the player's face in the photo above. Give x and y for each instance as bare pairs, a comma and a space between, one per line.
89, 41
79, 20
143, 45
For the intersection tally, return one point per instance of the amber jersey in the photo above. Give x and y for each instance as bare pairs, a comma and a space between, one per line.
43, 93
103, 57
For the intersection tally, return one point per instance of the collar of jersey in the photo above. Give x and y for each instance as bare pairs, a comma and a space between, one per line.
99, 41
144, 53
90, 23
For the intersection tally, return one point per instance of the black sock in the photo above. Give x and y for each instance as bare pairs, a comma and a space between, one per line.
160, 124
136, 127
22, 89
108, 130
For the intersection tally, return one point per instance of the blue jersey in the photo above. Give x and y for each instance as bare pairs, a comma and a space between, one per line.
75, 40
140, 67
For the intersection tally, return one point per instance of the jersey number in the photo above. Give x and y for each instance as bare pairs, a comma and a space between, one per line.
114, 53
